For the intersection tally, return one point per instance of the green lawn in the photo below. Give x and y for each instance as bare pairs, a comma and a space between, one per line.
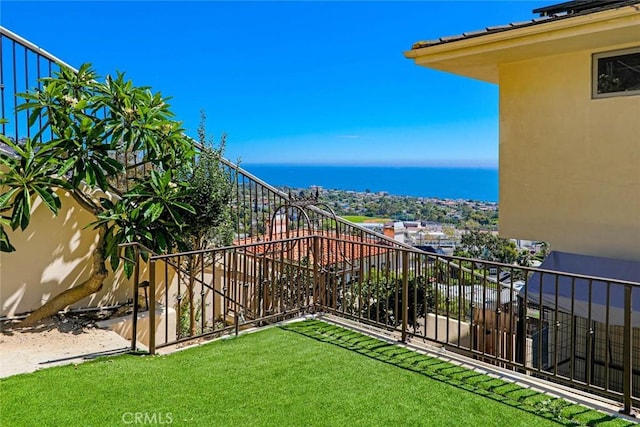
304, 374
359, 219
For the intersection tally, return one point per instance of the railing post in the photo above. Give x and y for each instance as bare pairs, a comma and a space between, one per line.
627, 374
136, 284
521, 333
152, 306
318, 293
236, 319
405, 293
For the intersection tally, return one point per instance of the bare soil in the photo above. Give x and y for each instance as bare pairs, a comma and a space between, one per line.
56, 341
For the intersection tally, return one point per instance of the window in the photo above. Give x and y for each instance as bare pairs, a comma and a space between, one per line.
616, 73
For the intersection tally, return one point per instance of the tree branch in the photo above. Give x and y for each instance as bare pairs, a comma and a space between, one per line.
85, 202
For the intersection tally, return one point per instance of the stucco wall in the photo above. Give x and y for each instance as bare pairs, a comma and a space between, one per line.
569, 164
53, 254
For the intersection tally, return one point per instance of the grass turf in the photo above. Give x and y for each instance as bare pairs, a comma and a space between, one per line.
304, 374
360, 219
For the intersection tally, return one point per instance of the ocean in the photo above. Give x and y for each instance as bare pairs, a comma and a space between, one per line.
441, 182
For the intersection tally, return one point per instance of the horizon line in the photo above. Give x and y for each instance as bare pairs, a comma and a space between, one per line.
388, 165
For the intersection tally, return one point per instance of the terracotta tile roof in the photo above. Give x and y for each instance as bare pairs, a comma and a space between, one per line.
548, 14
343, 249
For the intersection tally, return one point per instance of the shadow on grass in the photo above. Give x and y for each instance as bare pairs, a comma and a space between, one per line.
558, 410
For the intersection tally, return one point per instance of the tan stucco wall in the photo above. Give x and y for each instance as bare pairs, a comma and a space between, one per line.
569, 164
53, 254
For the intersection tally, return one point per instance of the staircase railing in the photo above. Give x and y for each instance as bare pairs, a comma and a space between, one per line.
23, 65
189, 273
254, 201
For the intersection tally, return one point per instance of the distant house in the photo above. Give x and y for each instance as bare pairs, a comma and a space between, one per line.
411, 224
569, 85
395, 230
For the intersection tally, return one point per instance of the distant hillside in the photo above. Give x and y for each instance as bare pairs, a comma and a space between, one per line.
381, 207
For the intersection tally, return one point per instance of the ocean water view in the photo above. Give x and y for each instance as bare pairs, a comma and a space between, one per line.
441, 182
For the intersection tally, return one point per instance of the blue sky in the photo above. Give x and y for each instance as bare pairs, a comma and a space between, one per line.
292, 82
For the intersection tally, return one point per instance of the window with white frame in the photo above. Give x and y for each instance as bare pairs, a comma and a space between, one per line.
616, 73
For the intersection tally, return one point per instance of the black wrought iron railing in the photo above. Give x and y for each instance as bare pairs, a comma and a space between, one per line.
259, 210
572, 329
23, 65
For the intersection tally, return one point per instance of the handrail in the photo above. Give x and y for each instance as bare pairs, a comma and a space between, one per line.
496, 327
165, 258
538, 270
34, 48
246, 173
237, 168
151, 283
316, 209
413, 250
38, 50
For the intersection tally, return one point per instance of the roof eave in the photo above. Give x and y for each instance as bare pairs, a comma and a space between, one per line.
483, 53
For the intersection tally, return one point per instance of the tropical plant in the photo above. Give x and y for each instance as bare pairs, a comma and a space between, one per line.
90, 131
208, 191
379, 297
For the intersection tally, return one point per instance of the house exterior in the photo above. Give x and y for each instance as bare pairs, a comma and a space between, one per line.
395, 230
569, 137
569, 93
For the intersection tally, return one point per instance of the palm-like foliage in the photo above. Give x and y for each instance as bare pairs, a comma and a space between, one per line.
30, 174
90, 130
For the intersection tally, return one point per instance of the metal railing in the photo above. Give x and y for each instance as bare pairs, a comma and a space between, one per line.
23, 65
259, 210
204, 293
567, 328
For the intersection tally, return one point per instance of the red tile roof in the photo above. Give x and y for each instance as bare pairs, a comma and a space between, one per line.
333, 248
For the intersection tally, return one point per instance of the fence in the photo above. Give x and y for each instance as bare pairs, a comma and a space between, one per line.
517, 318
259, 210
23, 65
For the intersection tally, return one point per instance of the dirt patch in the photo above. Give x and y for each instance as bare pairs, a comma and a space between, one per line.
56, 341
